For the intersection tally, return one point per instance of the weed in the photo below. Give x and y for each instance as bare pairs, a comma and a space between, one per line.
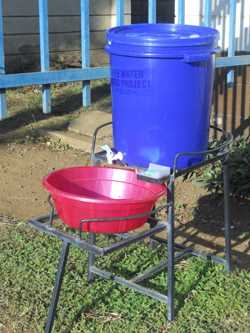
239, 163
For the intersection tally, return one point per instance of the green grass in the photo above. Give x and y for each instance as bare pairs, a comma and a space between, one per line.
207, 299
25, 117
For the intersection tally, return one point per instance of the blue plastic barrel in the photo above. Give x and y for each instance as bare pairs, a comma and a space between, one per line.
161, 82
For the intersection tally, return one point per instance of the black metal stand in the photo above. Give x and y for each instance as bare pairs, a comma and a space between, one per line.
43, 224
175, 252
91, 258
227, 215
170, 248
57, 287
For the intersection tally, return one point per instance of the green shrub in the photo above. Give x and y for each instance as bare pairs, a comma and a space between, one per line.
239, 163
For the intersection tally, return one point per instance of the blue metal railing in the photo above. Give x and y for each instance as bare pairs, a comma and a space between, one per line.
208, 13
232, 44
46, 77
44, 51
85, 50
119, 12
152, 11
3, 110
181, 11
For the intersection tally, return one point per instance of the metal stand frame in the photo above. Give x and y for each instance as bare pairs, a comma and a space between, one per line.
175, 252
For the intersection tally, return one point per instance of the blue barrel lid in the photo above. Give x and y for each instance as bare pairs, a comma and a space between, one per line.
161, 40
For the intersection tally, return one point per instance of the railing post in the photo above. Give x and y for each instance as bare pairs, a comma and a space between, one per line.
152, 11
119, 12
85, 50
181, 11
208, 13
231, 46
3, 112
44, 51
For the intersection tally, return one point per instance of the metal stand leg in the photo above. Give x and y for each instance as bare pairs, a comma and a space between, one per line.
171, 250
152, 224
227, 216
57, 287
91, 258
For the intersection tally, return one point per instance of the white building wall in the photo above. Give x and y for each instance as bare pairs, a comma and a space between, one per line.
220, 20
21, 31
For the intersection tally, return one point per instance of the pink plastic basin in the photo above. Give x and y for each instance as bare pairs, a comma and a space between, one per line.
101, 192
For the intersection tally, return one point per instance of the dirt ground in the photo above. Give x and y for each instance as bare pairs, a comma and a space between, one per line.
22, 168
199, 215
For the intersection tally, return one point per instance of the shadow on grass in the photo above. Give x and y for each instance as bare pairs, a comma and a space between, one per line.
65, 104
100, 299
180, 297
206, 229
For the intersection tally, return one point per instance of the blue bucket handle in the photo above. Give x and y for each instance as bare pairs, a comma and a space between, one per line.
199, 57
191, 58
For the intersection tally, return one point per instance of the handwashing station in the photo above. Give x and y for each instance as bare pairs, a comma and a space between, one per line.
161, 81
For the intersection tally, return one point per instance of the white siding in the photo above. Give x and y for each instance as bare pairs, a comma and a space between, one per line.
21, 28
220, 20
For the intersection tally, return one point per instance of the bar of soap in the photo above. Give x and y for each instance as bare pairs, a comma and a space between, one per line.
156, 171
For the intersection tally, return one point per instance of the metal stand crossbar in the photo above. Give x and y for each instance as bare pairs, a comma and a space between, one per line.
44, 225
175, 252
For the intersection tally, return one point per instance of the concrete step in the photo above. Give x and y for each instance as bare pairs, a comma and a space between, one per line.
88, 121
80, 131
